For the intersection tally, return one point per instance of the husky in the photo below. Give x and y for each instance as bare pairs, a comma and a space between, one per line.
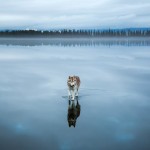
73, 83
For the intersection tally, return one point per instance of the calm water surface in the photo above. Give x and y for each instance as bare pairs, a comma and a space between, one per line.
113, 105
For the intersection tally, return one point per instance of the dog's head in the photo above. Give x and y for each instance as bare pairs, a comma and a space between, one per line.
72, 81
72, 122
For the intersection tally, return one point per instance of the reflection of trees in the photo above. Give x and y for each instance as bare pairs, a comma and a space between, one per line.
76, 41
137, 32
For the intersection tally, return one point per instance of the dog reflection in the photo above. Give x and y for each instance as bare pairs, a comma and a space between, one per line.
73, 112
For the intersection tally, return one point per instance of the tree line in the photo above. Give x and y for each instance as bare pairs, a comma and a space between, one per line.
144, 32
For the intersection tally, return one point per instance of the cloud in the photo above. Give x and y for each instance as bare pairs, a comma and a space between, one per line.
45, 14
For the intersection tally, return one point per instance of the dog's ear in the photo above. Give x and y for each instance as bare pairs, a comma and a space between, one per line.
74, 77
74, 124
69, 123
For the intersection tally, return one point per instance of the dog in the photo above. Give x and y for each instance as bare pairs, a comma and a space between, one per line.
74, 109
73, 83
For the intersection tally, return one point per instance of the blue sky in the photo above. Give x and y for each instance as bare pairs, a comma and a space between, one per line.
48, 14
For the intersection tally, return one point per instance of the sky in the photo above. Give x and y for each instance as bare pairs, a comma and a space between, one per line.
60, 14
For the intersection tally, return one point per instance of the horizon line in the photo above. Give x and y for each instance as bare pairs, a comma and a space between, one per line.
109, 28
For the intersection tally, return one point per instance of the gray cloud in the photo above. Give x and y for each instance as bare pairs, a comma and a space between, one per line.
45, 14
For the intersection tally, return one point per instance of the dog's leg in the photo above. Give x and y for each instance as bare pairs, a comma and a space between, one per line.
73, 94
69, 93
76, 93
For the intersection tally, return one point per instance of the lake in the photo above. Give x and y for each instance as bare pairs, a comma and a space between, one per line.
114, 96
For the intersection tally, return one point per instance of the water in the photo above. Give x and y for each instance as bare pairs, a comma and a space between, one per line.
113, 97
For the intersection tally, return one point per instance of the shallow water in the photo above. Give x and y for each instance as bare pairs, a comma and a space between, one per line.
113, 97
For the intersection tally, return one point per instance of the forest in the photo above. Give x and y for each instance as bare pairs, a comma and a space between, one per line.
129, 32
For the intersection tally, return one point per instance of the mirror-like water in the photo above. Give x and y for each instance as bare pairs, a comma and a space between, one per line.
112, 111
64, 42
